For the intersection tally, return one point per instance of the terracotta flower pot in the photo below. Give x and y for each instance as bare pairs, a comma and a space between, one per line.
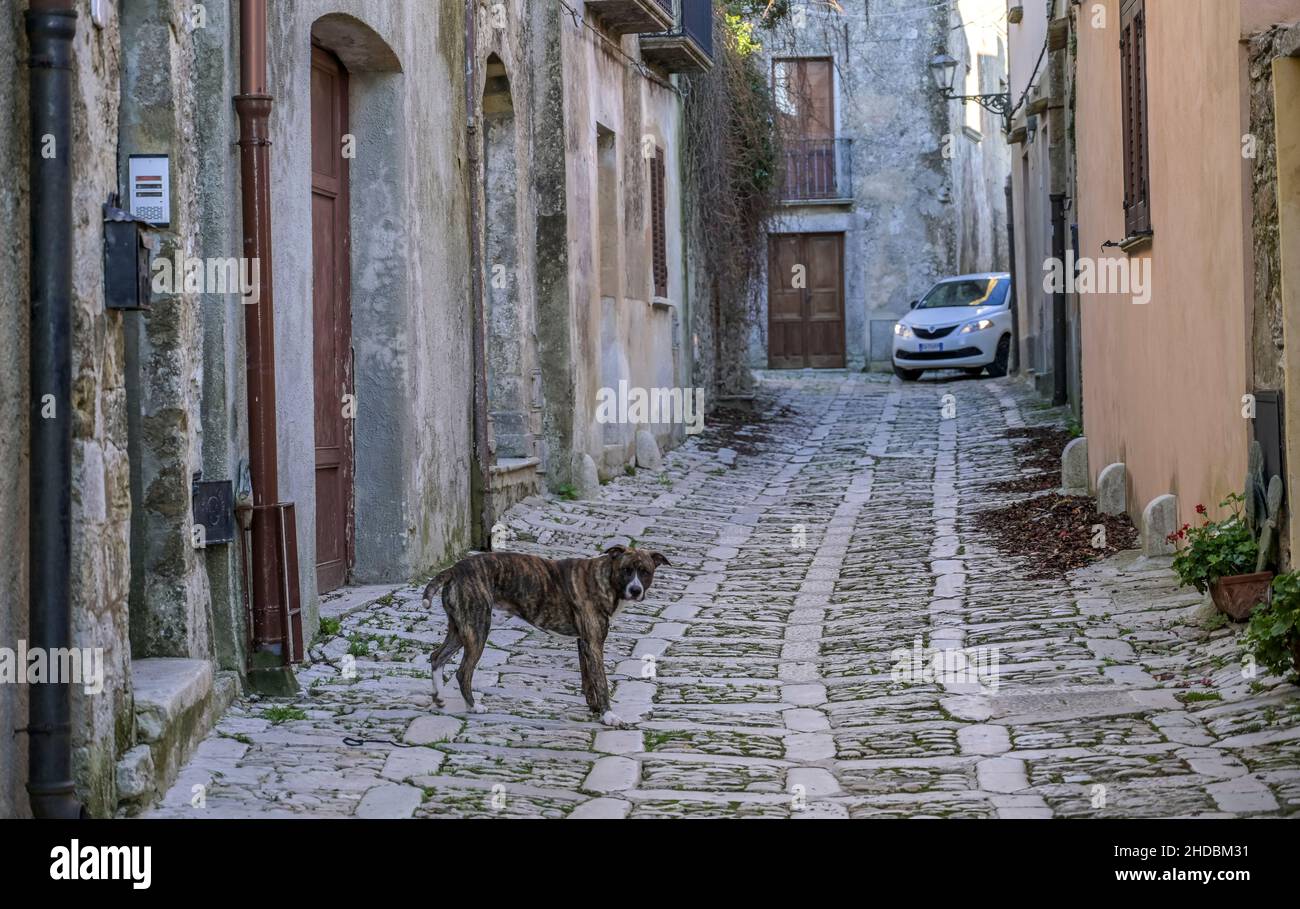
1237, 596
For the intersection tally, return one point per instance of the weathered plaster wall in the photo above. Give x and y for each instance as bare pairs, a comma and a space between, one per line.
900, 230
1189, 343
981, 158
1041, 166
411, 310
515, 386
626, 335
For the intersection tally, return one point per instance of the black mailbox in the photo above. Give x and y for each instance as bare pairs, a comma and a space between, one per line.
129, 245
214, 510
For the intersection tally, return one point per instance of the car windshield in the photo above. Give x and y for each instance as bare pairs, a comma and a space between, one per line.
966, 292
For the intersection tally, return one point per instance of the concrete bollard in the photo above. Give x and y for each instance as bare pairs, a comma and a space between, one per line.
1112, 489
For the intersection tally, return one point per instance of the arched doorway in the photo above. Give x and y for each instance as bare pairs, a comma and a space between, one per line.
362, 305
514, 397
510, 341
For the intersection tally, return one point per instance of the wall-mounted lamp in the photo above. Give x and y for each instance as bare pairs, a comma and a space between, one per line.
944, 69
1031, 126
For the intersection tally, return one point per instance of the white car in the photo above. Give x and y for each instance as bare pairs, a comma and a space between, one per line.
961, 323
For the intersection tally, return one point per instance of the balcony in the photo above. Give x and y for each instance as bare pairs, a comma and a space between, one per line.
818, 171
688, 47
624, 17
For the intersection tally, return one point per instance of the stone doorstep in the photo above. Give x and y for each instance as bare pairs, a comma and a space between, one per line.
347, 600
177, 703
512, 480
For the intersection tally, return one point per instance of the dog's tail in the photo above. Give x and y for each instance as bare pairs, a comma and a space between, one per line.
438, 581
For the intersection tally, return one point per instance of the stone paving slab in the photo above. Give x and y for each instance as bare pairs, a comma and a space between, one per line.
782, 667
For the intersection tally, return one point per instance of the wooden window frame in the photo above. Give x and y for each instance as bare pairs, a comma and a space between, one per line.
658, 223
830, 85
1133, 87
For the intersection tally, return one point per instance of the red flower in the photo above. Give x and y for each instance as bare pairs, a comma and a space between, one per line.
1200, 509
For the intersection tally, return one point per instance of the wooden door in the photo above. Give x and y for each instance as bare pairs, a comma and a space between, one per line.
332, 320
805, 301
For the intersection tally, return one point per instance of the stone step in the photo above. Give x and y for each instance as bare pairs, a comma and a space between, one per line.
177, 702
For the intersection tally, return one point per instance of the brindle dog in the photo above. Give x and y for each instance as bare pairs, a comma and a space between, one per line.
576, 598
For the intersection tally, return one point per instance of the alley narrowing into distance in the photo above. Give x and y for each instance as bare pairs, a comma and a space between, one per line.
810, 542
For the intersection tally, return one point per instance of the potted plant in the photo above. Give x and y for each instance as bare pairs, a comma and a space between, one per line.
1273, 636
1229, 557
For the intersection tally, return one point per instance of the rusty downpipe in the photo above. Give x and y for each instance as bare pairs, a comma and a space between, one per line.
51, 26
481, 482
253, 104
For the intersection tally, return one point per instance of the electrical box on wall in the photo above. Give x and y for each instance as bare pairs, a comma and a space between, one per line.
149, 189
129, 247
1269, 432
214, 510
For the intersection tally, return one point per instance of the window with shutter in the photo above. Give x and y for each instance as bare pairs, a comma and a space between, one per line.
1133, 60
658, 233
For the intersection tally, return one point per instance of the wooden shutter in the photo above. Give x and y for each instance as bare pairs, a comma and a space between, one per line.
1133, 60
658, 232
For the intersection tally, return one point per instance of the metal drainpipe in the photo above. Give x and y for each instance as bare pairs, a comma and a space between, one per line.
1060, 381
51, 26
482, 532
253, 104
1015, 280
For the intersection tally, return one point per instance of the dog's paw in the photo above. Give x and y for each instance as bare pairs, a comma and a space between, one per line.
478, 708
610, 718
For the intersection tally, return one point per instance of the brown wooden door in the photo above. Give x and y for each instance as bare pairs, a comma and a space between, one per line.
805, 301
332, 320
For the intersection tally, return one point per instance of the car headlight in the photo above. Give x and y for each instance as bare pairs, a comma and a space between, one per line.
902, 330
981, 325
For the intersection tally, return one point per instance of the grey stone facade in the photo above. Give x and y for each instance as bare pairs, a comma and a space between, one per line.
926, 199
161, 396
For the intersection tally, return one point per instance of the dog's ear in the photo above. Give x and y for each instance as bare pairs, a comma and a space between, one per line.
615, 550
660, 559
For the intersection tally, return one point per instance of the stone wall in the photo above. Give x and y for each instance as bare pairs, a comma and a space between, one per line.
165, 369
622, 332
411, 310
14, 256
910, 189
981, 158
100, 516
1267, 339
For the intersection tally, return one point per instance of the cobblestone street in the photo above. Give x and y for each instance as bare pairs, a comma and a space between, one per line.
806, 549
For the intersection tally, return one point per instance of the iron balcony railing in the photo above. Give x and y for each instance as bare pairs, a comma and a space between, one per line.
694, 20
697, 23
666, 5
818, 170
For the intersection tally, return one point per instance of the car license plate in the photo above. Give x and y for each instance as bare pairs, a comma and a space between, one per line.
928, 347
